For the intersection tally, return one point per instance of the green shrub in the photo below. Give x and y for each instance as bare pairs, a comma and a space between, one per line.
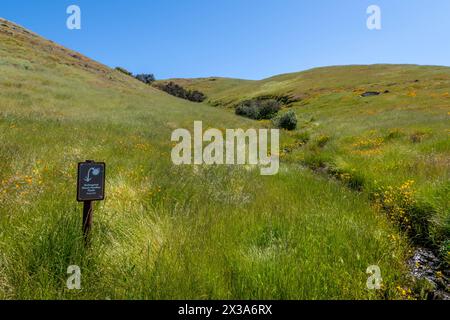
269, 108
248, 111
146, 78
287, 121
180, 92
124, 71
258, 109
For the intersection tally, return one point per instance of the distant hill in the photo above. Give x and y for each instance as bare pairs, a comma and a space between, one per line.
311, 83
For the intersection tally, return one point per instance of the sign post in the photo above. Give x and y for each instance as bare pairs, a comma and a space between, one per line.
87, 219
90, 187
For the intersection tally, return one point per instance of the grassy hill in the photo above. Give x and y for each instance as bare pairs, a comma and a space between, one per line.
180, 232
390, 145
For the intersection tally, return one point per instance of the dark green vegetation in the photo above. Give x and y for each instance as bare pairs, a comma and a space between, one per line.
180, 92
146, 78
212, 232
124, 71
265, 109
258, 109
287, 121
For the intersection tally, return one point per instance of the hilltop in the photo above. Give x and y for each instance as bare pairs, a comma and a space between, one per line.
300, 86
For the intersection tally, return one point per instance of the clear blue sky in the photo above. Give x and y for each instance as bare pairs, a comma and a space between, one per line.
249, 39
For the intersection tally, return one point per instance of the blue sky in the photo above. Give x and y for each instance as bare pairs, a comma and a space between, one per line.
250, 39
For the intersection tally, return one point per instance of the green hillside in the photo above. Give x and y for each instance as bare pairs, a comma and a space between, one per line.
390, 145
197, 233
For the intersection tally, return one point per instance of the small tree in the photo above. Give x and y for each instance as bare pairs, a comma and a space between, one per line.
146, 78
287, 121
196, 96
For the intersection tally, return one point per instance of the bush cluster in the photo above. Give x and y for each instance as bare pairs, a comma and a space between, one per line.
258, 109
146, 78
287, 121
125, 71
180, 92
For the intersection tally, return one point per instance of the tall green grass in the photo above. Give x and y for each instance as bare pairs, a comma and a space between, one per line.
175, 232
164, 232
370, 143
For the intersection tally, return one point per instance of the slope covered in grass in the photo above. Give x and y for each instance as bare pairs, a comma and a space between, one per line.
395, 145
163, 231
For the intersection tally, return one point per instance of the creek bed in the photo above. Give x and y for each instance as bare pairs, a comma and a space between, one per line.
425, 265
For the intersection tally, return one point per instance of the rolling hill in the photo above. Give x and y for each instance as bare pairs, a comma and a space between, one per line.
174, 232
373, 143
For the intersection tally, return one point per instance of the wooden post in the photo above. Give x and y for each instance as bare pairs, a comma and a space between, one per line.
87, 220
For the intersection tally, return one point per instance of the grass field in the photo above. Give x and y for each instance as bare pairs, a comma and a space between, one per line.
207, 232
395, 146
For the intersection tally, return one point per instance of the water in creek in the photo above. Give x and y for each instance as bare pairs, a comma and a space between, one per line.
425, 265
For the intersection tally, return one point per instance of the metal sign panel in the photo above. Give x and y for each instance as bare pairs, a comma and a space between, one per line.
91, 181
